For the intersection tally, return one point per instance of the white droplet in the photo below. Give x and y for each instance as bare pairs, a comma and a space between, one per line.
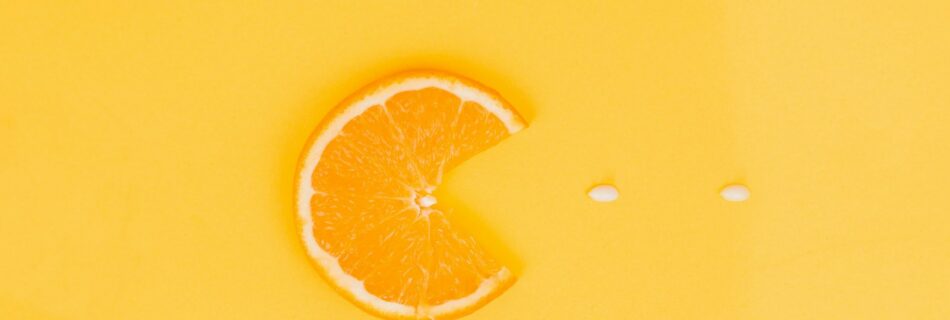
735, 193
427, 201
603, 193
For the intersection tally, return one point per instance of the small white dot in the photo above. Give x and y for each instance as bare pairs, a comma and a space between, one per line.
427, 201
735, 193
603, 193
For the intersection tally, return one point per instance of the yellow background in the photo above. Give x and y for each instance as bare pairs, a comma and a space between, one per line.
147, 153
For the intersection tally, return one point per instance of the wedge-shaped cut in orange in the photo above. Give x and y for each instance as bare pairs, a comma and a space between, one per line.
364, 195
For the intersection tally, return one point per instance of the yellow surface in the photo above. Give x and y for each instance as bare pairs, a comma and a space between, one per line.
147, 152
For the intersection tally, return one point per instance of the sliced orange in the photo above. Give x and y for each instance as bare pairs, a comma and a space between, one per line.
364, 195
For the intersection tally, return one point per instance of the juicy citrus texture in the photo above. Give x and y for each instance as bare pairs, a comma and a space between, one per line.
364, 195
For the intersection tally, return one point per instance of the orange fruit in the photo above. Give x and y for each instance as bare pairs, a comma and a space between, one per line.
364, 195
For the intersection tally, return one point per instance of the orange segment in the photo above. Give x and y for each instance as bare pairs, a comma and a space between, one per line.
364, 195
455, 276
431, 143
362, 158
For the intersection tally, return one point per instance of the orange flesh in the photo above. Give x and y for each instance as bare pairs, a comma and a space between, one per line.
368, 184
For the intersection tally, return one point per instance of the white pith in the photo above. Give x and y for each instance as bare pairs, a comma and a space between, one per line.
305, 191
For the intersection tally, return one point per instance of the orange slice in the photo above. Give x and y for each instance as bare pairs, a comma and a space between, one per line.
364, 195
